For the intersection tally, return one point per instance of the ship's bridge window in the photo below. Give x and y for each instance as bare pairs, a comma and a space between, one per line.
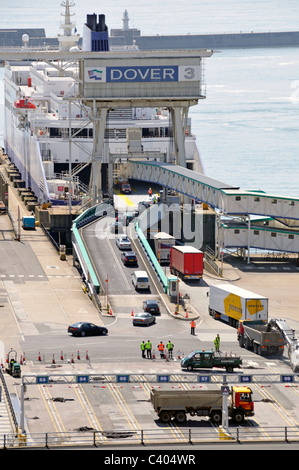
151, 132
238, 198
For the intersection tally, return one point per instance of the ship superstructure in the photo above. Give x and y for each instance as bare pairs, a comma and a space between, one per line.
49, 131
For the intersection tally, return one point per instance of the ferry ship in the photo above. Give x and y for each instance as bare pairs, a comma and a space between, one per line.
38, 123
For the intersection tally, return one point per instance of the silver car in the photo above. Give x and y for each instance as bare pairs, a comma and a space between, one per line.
123, 243
143, 319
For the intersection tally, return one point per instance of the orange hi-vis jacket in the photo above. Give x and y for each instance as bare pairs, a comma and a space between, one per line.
161, 347
193, 324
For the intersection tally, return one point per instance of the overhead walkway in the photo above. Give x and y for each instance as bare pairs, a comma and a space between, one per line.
227, 199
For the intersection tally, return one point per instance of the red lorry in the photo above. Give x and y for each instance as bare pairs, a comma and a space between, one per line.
186, 262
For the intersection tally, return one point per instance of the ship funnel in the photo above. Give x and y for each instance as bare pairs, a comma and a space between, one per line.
95, 34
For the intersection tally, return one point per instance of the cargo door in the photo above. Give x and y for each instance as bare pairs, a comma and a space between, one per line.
256, 309
188, 263
197, 264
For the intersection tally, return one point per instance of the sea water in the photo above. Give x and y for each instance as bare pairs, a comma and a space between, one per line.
247, 127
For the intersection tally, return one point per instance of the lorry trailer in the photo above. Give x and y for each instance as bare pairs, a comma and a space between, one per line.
232, 304
262, 338
163, 244
186, 262
177, 404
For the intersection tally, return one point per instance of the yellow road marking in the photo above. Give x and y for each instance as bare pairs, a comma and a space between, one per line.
126, 200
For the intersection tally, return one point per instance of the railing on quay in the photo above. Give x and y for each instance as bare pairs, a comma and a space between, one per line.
147, 437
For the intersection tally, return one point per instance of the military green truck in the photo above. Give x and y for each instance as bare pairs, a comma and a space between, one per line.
201, 359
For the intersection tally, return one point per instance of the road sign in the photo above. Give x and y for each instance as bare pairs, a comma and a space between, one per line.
42, 379
245, 379
122, 378
204, 379
225, 390
163, 378
82, 379
287, 378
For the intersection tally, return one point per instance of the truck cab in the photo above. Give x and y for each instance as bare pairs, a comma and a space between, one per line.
198, 359
242, 401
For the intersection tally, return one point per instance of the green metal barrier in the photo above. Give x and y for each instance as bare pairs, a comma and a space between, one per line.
151, 254
86, 217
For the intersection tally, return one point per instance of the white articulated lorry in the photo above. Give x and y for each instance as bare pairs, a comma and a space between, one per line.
232, 304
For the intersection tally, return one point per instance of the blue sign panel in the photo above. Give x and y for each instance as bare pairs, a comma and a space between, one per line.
123, 378
82, 379
204, 379
42, 379
245, 378
287, 378
163, 378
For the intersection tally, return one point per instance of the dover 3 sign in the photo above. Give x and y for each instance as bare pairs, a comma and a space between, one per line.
130, 74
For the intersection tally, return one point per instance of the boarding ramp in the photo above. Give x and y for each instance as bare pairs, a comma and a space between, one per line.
80, 253
228, 199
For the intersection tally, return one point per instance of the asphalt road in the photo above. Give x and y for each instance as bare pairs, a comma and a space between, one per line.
29, 284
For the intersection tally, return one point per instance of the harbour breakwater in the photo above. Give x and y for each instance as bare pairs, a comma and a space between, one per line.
120, 38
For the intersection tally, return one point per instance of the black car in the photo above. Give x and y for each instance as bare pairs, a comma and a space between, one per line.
129, 258
86, 329
151, 306
143, 319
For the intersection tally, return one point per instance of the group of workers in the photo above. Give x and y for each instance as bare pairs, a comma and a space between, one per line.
166, 351
146, 349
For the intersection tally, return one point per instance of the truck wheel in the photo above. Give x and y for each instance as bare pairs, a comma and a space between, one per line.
216, 417
238, 417
189, 367
180, 416
165, 416
229, 369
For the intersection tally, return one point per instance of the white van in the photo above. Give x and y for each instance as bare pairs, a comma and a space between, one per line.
140, 280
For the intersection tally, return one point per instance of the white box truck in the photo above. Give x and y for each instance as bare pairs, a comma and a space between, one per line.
163, 244
232, 303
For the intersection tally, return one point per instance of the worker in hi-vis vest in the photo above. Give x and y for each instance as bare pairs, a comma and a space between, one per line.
142, 347
161, 349
148, 348
170, 347
217, 343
